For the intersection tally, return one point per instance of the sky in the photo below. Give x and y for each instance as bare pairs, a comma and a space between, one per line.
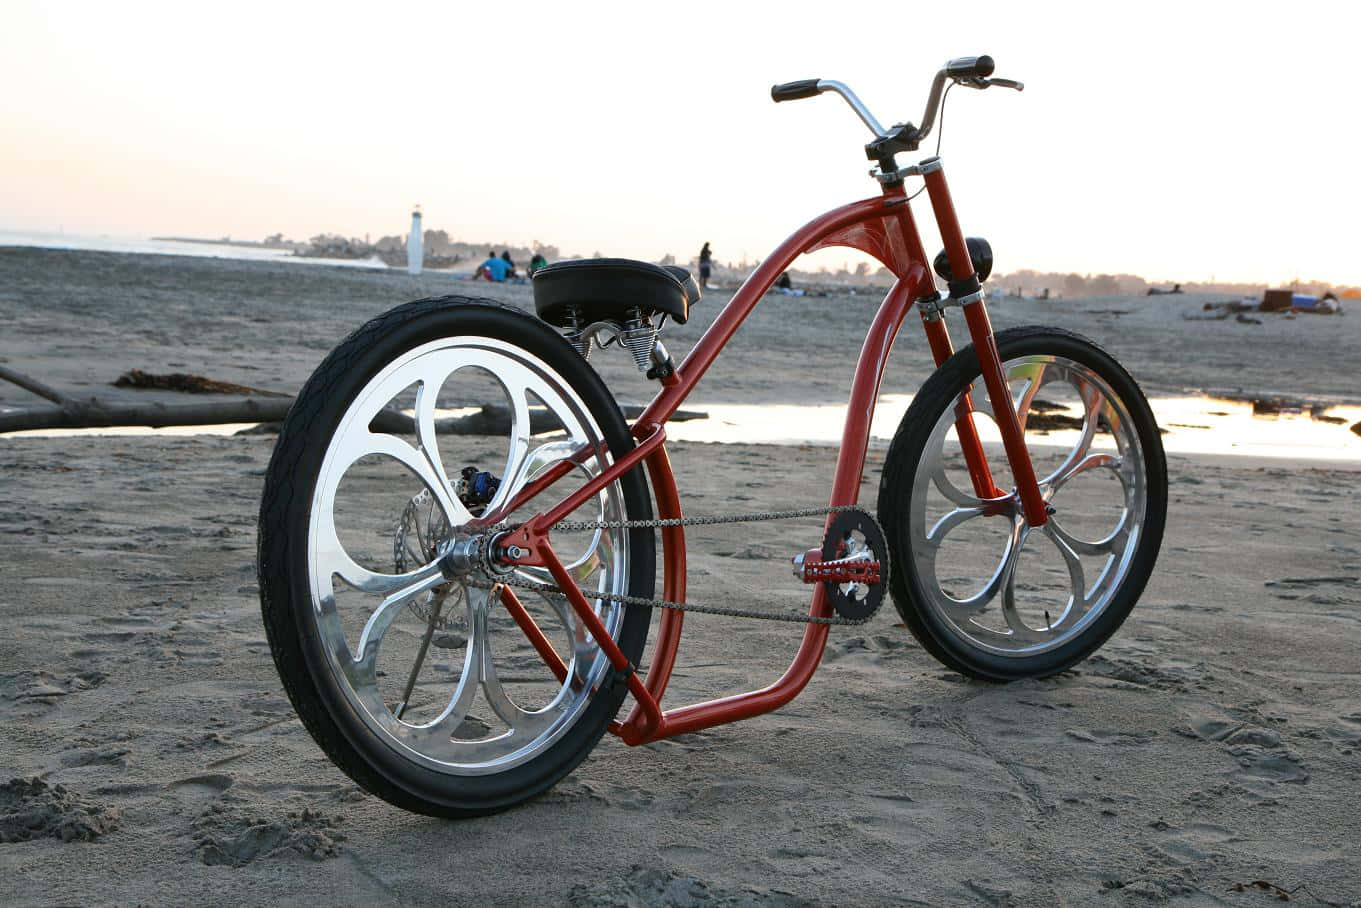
1179, 141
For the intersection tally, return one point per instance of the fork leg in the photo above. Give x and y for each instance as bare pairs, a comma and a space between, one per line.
938, 337
965, 287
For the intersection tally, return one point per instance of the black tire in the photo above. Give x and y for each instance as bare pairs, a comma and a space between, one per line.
916, 590
287, 599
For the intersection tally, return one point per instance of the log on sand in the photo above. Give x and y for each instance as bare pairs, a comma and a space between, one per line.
71, 413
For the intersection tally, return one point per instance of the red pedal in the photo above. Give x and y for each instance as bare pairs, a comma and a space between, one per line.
845, 570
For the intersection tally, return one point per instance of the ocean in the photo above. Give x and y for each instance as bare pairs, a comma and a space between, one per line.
108, 243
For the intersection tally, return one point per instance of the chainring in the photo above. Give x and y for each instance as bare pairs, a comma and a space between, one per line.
855, 534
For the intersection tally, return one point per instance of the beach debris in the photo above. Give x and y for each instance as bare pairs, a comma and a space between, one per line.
187, 383
1221, 310
1277, 300
32, 809
1319, 413
1283, 302
75, 413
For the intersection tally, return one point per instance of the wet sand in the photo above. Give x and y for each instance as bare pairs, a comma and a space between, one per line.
1214, 741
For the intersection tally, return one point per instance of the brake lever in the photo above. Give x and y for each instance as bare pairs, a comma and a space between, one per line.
981, 82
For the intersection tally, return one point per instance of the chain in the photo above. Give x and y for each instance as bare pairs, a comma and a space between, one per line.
568, 526
548, 589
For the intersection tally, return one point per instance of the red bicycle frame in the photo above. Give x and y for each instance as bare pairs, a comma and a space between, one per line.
884, 228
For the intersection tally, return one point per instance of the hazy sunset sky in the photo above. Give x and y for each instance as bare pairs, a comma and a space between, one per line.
1178, 141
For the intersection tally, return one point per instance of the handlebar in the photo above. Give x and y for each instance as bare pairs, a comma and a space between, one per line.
969, 67
793, 91
974, 72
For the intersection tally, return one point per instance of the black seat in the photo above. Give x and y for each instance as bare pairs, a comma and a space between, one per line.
605, 289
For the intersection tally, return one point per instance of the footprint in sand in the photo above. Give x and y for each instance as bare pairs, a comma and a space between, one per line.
26, 693
650, 888
234, 833
1261, 754
876, 648
1111, 736
606, 793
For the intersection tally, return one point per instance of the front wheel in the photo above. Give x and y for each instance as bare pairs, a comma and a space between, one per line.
986, 593
439, 695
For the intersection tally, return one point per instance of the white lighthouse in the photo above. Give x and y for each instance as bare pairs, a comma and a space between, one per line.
414, 255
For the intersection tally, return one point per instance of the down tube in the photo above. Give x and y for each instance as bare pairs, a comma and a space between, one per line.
845, 490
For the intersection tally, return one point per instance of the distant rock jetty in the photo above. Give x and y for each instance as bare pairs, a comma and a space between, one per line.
439, 250
276, 241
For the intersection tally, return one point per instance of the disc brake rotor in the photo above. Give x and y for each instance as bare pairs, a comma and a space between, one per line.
420, 535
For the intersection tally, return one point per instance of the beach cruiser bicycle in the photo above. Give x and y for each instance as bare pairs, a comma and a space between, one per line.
459, 531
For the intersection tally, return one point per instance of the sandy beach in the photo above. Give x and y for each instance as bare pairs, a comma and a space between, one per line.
149, 754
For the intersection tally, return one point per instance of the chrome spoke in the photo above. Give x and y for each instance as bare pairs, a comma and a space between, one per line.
438, 731
953, 492
419, 464
1016, 625
522, 722
391, 609
979, 601
1113, 544
1091, 400
1034, 379
529, 467
1059, 477
517, 457
949, 522
427, 397
1077, 605
1016, 628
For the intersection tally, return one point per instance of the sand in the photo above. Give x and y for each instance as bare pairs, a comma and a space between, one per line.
1213, 742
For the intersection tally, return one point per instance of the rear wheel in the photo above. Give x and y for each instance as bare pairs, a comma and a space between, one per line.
429, 693
984, 592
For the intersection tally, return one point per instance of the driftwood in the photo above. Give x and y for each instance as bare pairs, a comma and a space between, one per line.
73, 413
92, 413
491, 419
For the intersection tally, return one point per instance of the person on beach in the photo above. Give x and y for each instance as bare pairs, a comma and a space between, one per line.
537, 262
494, 269
705, 266
786, 286
505, 257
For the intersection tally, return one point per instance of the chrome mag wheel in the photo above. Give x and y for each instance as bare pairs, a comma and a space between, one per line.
431, 678
992, 594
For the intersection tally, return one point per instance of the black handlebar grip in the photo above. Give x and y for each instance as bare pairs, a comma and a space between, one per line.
793, 91
970, 67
